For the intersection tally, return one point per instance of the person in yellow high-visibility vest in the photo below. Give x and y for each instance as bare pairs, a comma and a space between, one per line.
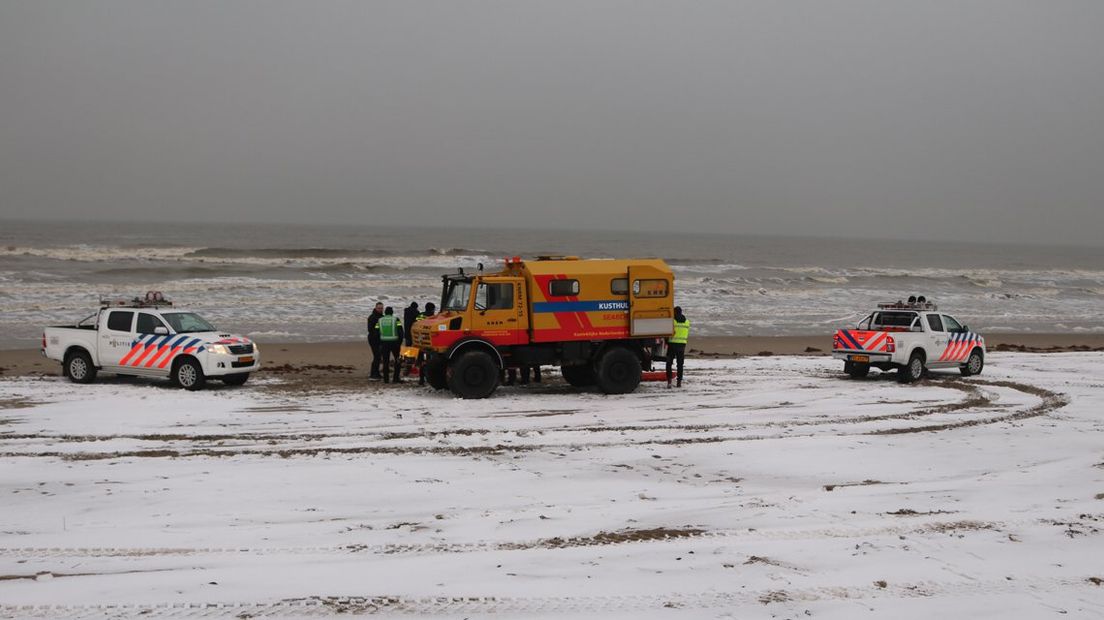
390, 330
676, 344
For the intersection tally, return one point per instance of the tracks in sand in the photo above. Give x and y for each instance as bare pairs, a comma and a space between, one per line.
977, 403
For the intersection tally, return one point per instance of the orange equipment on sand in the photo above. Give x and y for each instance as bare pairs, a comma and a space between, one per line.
409, 356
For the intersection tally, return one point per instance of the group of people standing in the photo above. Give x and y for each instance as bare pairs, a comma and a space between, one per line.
386, 335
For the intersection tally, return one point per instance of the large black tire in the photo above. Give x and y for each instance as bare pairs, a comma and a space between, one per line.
973, 364
618, 371
235, 379
856, 371
79, 368
188, 374
473, 375
914, 371
436, 372
581, 375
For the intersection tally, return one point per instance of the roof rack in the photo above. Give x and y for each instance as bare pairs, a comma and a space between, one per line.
908, 305
152, 299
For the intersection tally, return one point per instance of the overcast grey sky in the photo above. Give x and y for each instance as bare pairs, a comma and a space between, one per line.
936, 120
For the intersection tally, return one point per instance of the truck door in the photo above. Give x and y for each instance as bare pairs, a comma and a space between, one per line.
940, 340
499, 311
651, 302
116, 336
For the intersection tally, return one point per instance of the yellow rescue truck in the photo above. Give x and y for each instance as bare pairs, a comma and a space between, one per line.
599, 320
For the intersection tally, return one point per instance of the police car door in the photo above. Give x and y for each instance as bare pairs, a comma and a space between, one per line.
940, 338
116, 337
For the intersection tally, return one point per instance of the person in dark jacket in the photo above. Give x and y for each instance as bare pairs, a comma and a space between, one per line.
410, 316
430, 310
676, 344
374, 340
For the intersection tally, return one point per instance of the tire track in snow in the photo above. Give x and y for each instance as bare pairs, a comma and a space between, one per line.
326, 606
624, 537
1050, 401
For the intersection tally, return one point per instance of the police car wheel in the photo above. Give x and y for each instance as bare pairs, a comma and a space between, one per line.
973, 364
618, 371
581, 375
79, 368
857, 371
913, 371
236, 379
188, 375
473, 375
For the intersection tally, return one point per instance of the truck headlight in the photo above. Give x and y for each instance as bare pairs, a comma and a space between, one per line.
218, 349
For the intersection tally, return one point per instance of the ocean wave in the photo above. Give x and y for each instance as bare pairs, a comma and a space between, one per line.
827, 279
699, 261
457, 251
291, 253
95, 253
162, 272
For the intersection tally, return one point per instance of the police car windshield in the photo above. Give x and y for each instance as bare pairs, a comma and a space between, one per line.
458, 294
185, 322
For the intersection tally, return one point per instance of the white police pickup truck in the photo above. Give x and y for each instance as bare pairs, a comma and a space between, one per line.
148, 337
910, 337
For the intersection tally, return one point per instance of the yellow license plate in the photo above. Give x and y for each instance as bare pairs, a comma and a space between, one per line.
246, 360
860, 358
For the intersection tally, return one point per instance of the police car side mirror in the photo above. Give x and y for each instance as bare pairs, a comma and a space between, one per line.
161, 331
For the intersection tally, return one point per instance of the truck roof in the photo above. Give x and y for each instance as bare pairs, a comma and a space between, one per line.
572, 265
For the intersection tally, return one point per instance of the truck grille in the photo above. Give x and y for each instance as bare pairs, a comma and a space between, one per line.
241, 349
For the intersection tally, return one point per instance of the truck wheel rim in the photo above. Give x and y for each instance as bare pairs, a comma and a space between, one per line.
975, 363
619, 372
186, 375
77, 368
474, 376
916, 368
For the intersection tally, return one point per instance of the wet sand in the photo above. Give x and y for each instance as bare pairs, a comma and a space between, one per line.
353, 358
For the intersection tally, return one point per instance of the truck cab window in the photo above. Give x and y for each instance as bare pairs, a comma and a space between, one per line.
934, 323
147, 323
494, 296
619, 286
951, 324
895, 320
187, 322
120, 321
458, 294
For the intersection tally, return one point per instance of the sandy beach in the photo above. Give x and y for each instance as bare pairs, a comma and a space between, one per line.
342, 359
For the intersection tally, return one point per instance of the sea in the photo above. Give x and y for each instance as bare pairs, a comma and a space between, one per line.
287, 283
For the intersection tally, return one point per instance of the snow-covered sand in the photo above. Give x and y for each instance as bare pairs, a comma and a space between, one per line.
768, 487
